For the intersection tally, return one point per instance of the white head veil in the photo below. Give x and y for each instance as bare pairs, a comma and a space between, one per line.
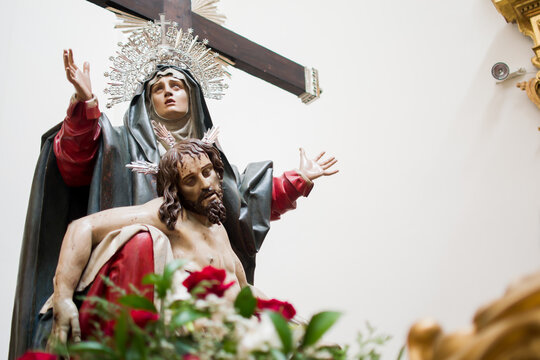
182, 128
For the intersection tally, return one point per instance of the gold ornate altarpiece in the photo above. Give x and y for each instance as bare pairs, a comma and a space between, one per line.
526, 14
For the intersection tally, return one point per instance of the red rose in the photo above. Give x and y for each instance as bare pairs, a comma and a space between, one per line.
214, 277
190, 357
282, 307
143, 317
35, 355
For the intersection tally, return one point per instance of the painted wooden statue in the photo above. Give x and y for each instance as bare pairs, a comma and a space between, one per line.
82, 166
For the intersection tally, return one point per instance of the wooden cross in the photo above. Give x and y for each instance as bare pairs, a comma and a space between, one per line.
245, 54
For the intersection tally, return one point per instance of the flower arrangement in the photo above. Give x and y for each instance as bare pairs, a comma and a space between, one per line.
205, 325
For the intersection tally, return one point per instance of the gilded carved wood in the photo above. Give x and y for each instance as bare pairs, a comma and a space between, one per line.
526, 14
507, 328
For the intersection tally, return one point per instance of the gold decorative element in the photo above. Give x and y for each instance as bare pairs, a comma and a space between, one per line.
531, 87
508, 328
522, 85
526, 14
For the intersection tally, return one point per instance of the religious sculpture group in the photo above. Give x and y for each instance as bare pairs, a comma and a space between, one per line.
209, 211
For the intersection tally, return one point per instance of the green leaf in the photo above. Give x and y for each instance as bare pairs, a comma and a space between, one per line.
245, 302
229, 346
318, 325
139, 340
178, 305
183, 347
137, 302
336, 352
162, 283
278, 355
401, 352
151, 279
103, 307
159, 286
135, 290
283, 330
92, 347
202, 287
371, 329
138, 349
369, 344
112, 286
170, 268
121, 333
186, 316
134, 354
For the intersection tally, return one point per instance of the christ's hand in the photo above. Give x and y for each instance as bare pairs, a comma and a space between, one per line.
79, 79
316, 167
66, 317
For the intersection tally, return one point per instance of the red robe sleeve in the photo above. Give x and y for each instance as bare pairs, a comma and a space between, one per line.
76, 143
285, 190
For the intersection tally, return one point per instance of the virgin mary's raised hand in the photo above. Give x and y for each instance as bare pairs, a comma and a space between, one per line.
79, 78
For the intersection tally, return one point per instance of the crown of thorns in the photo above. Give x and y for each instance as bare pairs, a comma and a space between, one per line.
146, 167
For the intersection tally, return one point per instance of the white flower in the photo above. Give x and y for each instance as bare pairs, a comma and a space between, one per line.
298, 332
178, 291
220, 307
256, 335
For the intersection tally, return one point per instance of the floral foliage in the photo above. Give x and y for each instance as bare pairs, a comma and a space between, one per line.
204, 326
284, 308
142, 317
207, 281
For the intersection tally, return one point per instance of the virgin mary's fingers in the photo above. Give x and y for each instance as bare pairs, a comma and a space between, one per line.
330, 172
322, 163
71, 62
318, 157
303, 157
72, 75
326, 166
65, 57
69, 74
86, 67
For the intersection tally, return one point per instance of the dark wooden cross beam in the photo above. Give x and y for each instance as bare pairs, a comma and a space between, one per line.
245, 54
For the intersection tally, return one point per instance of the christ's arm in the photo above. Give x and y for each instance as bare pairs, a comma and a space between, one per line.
81, 237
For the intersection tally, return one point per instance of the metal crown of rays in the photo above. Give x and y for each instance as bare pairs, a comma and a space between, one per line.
161, 42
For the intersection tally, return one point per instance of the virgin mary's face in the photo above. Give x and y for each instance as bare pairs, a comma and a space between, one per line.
170, 98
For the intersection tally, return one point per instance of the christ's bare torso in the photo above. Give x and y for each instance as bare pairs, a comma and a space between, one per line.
195, 239
203, 245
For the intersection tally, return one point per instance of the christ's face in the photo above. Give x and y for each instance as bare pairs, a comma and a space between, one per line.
170, 98
199, 183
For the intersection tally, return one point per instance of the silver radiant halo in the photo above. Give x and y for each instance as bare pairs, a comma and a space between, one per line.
162, 43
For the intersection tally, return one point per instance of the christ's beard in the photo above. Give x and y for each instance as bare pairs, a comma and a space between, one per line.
214, 211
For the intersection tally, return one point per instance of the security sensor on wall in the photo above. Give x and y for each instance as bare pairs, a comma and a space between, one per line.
501, 72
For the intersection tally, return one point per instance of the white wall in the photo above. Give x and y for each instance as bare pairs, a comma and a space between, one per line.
437, 203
